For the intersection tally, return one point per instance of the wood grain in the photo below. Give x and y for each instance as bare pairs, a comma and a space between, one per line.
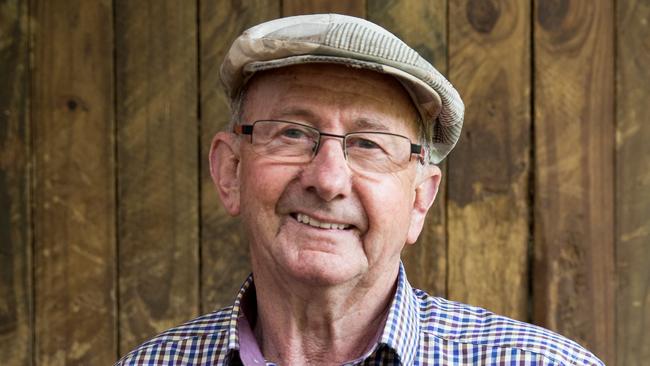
74, 183
157, 99
488, 207
423, 26
633, 183
574, 185
179, 252
16, 326
355, 8
224, 257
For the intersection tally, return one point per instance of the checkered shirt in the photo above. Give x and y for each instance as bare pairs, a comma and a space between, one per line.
419, 330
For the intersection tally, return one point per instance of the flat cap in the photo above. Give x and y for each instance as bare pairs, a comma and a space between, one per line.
355, 42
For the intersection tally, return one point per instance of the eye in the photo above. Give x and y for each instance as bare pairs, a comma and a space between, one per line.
293, 133
362, 143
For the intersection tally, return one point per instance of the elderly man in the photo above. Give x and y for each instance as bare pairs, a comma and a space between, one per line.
329, 163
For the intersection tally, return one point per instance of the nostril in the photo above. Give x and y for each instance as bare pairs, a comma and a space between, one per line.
328, 175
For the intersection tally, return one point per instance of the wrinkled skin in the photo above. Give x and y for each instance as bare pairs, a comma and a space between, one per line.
351, 268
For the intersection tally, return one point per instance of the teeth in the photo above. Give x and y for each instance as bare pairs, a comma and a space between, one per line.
323, 225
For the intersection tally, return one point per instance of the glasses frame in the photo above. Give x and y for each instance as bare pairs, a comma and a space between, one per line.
247, 129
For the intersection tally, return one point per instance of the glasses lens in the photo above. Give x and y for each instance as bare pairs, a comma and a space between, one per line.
365, 151
284, 141
378, 152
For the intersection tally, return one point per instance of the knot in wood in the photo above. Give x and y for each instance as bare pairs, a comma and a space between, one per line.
483, 14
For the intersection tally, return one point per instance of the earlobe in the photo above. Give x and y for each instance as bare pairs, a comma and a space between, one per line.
425, 193
224, 169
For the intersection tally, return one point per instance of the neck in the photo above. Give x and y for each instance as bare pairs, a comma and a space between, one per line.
300, 324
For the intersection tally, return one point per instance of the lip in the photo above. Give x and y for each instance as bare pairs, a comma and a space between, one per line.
348, 226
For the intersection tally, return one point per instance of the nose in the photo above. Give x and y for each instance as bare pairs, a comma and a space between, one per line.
328, 174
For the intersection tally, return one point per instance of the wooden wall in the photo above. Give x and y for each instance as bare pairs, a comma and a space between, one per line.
110, 230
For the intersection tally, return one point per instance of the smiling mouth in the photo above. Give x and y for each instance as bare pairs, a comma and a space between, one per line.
308, 220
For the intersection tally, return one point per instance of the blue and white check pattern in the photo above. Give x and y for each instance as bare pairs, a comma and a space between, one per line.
419, 330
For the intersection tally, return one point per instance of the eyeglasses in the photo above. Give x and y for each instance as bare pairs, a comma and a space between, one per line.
290, 142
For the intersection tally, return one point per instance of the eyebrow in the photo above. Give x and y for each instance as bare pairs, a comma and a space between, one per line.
365, 123
295, 112
360, 124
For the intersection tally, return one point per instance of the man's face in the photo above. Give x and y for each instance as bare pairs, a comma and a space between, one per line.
381, 212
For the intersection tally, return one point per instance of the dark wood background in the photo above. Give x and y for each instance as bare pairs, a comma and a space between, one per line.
110, 230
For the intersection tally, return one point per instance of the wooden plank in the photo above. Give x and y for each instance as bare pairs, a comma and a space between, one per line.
74, 184
632, 183
574, 151
224, 257
488, 206
157, 100
355, 8
423, 26
16, 326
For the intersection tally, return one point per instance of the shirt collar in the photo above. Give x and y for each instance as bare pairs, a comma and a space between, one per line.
233, 333
401, 331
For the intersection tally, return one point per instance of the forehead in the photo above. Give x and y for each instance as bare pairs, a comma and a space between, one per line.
318, 93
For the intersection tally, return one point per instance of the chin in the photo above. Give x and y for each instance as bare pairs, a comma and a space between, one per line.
320, 269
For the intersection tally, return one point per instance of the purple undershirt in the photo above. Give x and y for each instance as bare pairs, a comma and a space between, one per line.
249, 350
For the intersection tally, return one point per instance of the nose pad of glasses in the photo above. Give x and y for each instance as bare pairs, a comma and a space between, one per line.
318, 144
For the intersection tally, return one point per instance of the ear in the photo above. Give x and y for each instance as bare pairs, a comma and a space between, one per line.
427, 184
224, 169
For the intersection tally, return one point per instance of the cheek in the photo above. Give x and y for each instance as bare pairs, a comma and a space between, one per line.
262, 185
387, 205
259, 192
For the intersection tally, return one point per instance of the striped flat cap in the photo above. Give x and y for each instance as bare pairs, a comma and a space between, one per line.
355, 42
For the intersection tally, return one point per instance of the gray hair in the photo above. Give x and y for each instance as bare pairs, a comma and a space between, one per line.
237, 108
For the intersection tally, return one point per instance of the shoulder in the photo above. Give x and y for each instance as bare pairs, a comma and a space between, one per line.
205, 336
483, 334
